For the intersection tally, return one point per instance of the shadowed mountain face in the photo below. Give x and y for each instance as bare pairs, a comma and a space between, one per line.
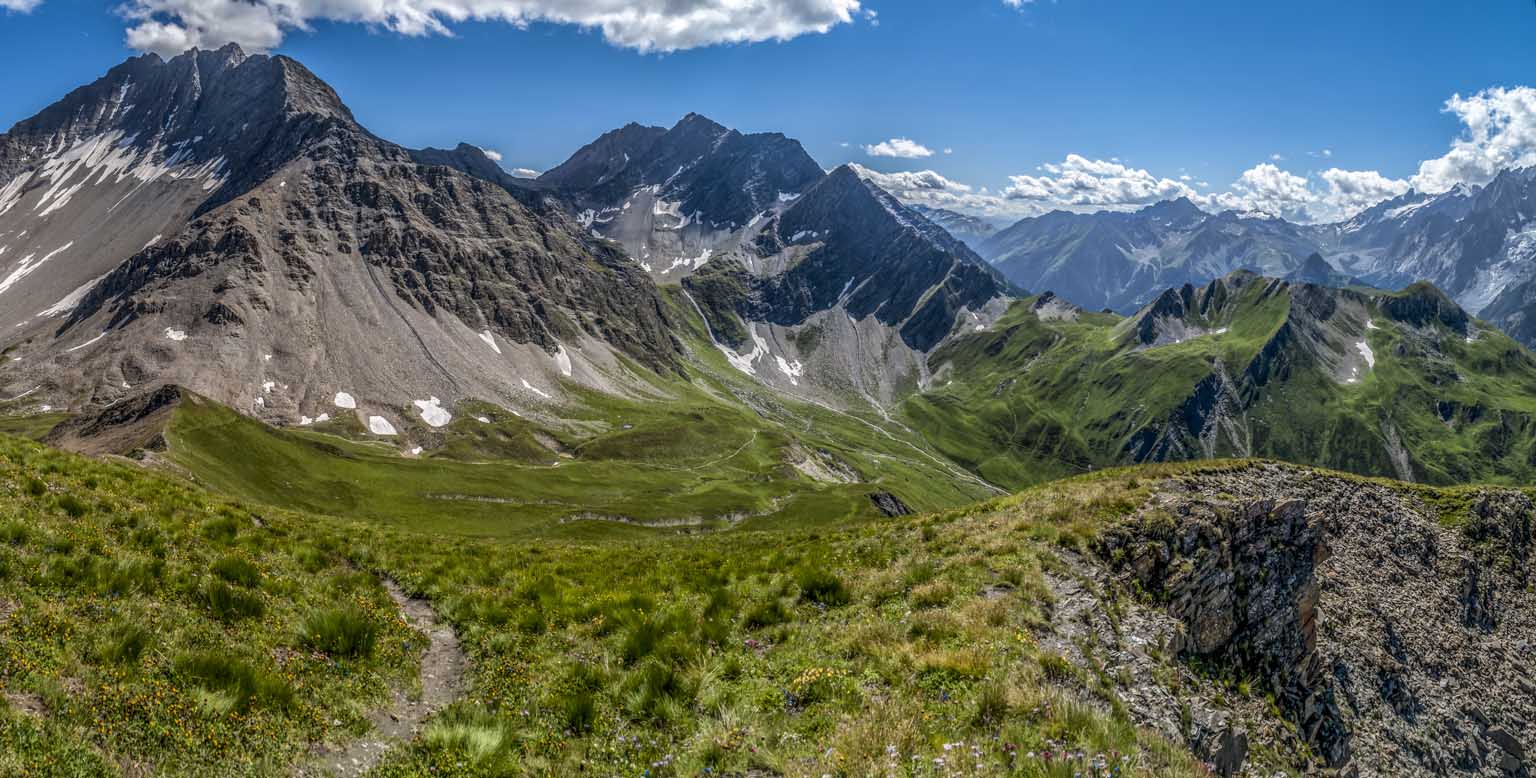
863, 249
220, 221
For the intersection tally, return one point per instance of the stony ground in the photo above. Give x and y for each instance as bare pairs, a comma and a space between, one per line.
1391, 628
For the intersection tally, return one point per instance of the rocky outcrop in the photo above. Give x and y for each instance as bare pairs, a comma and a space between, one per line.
889, 504
1396, 640
125, 428
1422, 305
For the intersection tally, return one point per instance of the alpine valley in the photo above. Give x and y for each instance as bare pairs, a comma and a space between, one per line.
322, 455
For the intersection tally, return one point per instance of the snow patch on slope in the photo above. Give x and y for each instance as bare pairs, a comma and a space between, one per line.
87, 343
72, 300
27, 266
535, 389
490, 340
432, 412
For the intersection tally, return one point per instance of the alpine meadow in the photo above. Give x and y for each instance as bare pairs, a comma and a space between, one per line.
1083, 389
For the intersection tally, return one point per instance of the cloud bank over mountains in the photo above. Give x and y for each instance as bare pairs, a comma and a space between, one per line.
1498, 133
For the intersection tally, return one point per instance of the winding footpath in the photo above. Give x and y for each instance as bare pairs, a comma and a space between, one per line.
442, 682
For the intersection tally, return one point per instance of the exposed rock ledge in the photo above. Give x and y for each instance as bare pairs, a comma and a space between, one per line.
1395, 637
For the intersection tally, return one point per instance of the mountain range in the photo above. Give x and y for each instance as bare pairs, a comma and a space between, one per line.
1475, 243
222, 223
640, 442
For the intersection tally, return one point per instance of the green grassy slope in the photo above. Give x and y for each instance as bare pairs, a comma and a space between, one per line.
717, 451
1030, 400
150, 627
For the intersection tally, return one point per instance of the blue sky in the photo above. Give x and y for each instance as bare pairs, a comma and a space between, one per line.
1143, 93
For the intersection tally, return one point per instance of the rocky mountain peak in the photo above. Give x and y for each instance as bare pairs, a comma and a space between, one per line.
1317, 270
204, 95
699, 124
1179, 211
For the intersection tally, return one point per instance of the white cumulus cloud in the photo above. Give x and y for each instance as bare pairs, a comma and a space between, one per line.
169, 27
1499, 132
1079, 181
523, 172
491, 154
926, 187
903, 148
20, 6
1352, 191
1267, 188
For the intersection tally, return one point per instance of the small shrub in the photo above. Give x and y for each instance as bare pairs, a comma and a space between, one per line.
476, 734
579, 711
721, 603
132, 576
655, 688
1057, 668
14, 533
821, 586
340, 633
932, 595
714, 631
222, 530
656, 636
991, 705
36, 488
921, 573
238, 570
955, 665
311, 559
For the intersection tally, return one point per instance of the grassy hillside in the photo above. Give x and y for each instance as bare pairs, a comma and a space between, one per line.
151, 625
1035, 398
693, 463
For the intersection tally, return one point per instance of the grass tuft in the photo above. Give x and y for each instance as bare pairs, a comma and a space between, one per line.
821, 586
339, 632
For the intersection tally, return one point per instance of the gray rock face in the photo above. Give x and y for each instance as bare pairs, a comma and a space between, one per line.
854, 245
672, 197
304, 256
1348, 603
